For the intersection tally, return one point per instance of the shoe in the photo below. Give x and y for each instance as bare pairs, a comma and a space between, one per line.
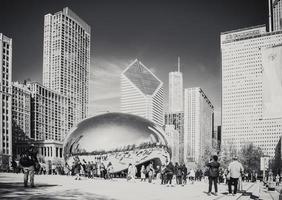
32, 186
215, 194
209, 193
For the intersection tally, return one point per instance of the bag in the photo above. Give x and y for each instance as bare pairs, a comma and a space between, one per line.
26, 160
214, 172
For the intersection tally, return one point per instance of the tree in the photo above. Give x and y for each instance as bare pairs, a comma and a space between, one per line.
250, 156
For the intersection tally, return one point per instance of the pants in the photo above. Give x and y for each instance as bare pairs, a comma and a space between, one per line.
213, 180
169, 178
235, 182
29, 171
179, 180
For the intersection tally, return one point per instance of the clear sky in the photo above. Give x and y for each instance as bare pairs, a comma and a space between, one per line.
155, 31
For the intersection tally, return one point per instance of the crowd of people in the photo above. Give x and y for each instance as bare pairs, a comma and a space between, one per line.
168, 174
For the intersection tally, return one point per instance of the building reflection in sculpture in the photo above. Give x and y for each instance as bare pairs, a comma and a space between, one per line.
117, 138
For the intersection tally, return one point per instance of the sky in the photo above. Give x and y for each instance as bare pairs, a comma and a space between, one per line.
155, 32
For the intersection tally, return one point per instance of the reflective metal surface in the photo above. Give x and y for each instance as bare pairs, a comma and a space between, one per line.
118, 138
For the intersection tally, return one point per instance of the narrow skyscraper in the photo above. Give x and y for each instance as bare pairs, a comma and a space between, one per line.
198, 124
142, 93
175, 100
66, 60
275, 15
6, 100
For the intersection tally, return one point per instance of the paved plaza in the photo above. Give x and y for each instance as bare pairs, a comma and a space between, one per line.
64, 187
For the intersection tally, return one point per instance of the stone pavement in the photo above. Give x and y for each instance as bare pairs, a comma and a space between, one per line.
64, 187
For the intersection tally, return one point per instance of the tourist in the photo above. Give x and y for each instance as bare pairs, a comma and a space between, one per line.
110, 170
178, 174
163, 174
29, 162
143, 173
213, 174
169, 173
77, 169
184, 175
277, 179
235, 169
130, 172
151, 173
192, 175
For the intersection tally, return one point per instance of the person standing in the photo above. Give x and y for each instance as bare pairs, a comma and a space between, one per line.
184, 175
213, 174
143, 173
169, 173
29, 162
235, 169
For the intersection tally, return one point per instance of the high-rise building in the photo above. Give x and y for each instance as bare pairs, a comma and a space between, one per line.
175, 100
5, 100
66, 60
172, 137
48, 113
142, 93
21, 116
251, 87
275, 15
198, 124
177, 120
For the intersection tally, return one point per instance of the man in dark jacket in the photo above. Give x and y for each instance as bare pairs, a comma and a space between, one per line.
213, 173
29, 162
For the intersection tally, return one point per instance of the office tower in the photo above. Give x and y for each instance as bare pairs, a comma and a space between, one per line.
275, 15
6, 100
177, 120
142, 93
66, 60
21, 119
251, 87
172, 137
48, 113
198, 124
175, 102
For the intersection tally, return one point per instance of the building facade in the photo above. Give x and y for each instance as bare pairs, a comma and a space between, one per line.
251, 87
142, 93
198, 124
275, 15
177, 120
6, 99
175, 96
172, 136
21, 115
48, 113
66, 60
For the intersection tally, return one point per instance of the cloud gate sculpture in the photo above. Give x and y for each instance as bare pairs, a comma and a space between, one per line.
117, 138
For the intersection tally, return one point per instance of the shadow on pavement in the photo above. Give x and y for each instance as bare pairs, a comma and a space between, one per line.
16, 190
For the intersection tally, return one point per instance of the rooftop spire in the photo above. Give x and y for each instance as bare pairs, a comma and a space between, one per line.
178, 66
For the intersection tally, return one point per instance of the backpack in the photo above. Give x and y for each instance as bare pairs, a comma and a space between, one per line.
26, 160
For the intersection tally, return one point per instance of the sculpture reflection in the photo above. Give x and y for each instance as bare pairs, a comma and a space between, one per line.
117, 138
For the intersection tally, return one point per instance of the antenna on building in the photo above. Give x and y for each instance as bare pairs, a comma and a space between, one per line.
178, 66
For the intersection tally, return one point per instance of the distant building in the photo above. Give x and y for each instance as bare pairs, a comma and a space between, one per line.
251, 87
21, 117
177, 120
275, 15
48, 113
142, 93
175, 96
172, 136
6, 100
66, 60
198, 124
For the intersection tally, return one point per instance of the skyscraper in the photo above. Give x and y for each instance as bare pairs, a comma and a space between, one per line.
275, 15
6, 100
198, 124
142, 93
251, 87
66, 60
175, 91
172, 137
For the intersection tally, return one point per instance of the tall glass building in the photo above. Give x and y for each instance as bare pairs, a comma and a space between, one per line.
66, 60
198, 123
5, 100
142, 93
